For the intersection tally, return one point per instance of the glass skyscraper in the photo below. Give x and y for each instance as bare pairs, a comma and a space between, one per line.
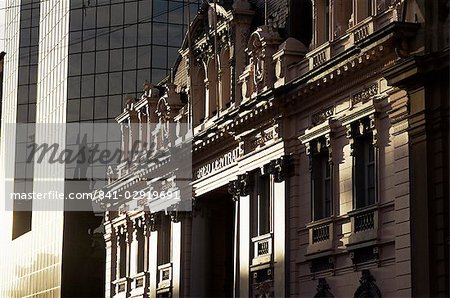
71, 61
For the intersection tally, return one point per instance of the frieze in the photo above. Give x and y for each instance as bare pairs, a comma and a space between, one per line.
218, 163
261, 139
322, 115
364, 94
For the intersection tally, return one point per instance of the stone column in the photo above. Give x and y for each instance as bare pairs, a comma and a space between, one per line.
134, 246
153, 255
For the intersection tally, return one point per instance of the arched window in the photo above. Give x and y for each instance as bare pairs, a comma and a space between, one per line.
367, 288
212, 88
198, 94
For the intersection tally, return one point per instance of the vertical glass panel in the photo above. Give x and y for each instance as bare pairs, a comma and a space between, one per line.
34, 51
115, 60
101, 107
145, 10
101, 61
74, 87
142, 76
22, 94
76, 19
89, 40
115, 83
87, 86
144, 57
176, 35
23, 75
160, 10
130, 37
114, 106
130, 12
129, 58
101, 84
73, 110
116, 35
75, 64
88, 63
89, 17
176, 12
160, 33
32, 93
129, 82
159, 57
75, 42
102, 39
103, 16
144, 33
116, 14
87, 109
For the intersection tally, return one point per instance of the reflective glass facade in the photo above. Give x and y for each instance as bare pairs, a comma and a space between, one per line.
70, 61
115, 46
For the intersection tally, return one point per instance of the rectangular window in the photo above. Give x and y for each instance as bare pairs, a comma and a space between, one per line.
321, 185
164, 240
364, 170
261, 202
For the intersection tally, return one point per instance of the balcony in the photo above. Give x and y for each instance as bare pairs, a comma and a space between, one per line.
121, 287
164, 278
262, 249
139, 284
364, 224
320, 236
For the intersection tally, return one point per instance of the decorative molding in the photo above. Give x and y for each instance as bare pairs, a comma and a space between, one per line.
238, 187
364, 94
322, 115
323, 289
367, 287
280, 168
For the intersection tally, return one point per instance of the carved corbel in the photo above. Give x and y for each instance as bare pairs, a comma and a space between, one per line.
280, 167
154, 221
239, 187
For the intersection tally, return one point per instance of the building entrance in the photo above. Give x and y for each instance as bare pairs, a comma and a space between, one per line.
212, 245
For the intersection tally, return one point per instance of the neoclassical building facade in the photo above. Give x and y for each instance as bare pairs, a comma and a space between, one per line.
319, 156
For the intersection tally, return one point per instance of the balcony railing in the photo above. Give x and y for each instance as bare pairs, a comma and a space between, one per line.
165, 278
364, 225
262, 249
320, 236
121, 287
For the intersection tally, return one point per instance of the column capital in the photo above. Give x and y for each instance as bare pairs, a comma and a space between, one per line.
239, 187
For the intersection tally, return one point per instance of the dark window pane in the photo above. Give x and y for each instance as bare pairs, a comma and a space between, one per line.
34, 55
34, 37
144, 57
145, 10
144, 34
87, 86
173, 55
75, 42
129, 58
176, 12
103, 16
159, 58
129, 82
160, 33
23, 75
22, 113
116, 14
115, 83
22, 94
160, 10
87, 108
32, 93
142, 76
76, 19
89, 17
115, 60
31, 113
114, 106
130, 12
73, 87
88, 63
158, 75
24, 58
89, 40
35, 17
75, 64
33, 74
73, 110
175, 35
25, 37
101, 107
102, 39
101, 84
116, 37
130, 38
101, 61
